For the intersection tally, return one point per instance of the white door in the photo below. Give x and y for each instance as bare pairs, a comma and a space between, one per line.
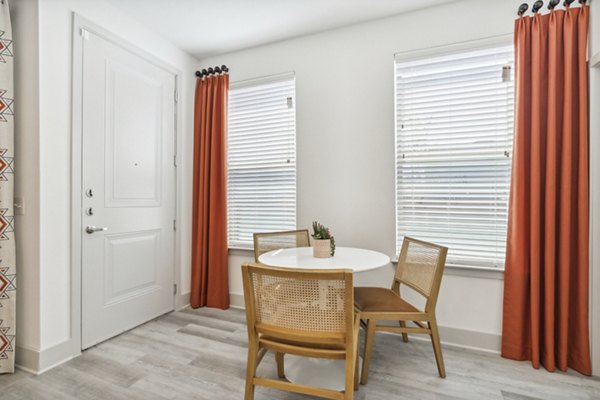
128, 182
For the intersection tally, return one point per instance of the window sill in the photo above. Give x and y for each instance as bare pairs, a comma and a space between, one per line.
472, 272
475, 272
238, 251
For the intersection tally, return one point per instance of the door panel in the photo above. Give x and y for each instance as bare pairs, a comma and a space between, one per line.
133, 171
128, 182
131, 265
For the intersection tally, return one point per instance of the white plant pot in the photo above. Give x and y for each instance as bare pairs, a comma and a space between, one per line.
322, 248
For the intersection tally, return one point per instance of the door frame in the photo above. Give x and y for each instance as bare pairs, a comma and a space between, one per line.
80, 23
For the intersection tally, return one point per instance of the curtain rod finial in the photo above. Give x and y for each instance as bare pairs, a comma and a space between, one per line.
522, 8
210, 71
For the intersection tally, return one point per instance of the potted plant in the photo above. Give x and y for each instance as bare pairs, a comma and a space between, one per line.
323, 243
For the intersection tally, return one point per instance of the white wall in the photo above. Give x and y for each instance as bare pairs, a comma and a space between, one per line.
24, 15
345, 138
50, 176
594, 34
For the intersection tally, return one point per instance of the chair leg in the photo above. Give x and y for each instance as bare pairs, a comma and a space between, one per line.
350, 367
251, 371
280, 365
355, 336
404, 334
437, 347
369, 339
356, 363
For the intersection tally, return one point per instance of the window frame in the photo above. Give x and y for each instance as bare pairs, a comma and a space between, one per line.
290, 75
431, 52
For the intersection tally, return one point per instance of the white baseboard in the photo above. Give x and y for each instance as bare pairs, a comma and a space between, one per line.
27, 359
236, 300
182, 301
39, 361
475, 340
466, 339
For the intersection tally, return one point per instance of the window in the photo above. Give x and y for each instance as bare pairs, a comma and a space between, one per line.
261, 178
454, 132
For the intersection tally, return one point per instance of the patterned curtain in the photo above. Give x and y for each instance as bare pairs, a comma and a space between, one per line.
8, 281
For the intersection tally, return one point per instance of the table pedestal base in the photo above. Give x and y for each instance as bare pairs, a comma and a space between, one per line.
319, 372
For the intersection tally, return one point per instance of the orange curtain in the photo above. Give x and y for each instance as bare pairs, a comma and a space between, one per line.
210, 285
546, 278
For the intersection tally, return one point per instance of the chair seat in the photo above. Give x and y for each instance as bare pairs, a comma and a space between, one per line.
375, 299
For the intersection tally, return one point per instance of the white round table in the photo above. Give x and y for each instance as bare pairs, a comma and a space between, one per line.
328, 374
358, 260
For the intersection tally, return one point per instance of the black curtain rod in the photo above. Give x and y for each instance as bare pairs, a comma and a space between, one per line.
537, 6
212, 71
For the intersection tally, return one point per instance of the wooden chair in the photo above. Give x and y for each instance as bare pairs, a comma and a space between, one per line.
303, 312
420, 267
267, 241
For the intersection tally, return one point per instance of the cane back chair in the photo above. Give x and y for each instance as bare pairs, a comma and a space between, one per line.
420, 267
267, 241
307, 313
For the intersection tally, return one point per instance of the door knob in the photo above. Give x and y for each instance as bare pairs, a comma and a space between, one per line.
91, 229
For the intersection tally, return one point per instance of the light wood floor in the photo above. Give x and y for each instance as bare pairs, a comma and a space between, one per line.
201, 354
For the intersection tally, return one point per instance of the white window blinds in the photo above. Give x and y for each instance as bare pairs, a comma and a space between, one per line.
261, 178
454, 132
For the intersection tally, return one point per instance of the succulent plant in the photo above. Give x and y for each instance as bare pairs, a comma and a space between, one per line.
320, 232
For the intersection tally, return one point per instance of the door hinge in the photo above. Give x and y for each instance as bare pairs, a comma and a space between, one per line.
174, 289
84, 34
176, 95
175, 159
174, 224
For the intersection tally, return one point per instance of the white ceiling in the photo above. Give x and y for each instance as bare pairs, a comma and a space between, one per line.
207, 27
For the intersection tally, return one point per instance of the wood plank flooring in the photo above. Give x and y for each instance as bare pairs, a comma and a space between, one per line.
201, 354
